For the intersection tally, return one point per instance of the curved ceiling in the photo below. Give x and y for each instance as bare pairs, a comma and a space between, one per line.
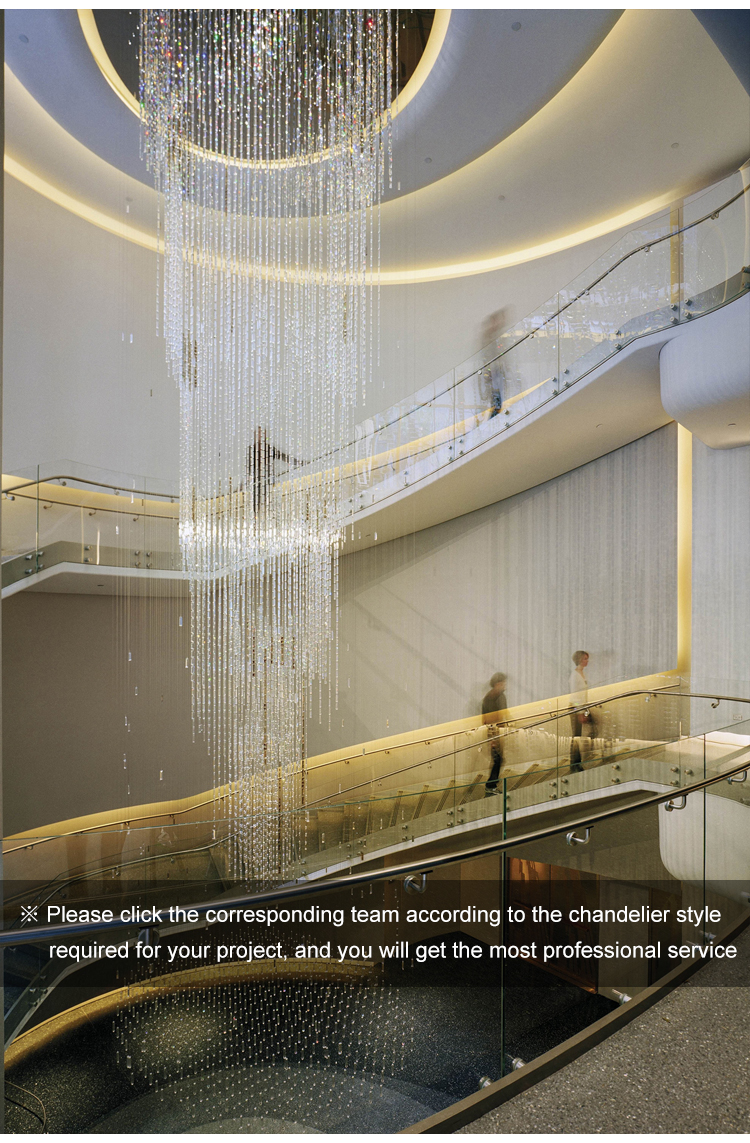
538, 136
506, 63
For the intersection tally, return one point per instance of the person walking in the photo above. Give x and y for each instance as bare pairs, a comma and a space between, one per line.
492, 703
261, 461
581, 721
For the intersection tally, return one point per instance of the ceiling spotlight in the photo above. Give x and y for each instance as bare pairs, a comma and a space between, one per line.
600, 426
428, 160
517, 26
501, 198
24, 39
675, 146
732, 425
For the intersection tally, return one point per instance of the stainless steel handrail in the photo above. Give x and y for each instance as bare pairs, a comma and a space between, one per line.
712, 214
96, 483
130, 509
390, 873
561, 309
552, 716
60, 882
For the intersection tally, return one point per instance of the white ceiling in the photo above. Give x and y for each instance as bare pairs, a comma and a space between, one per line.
572, 119
507, 63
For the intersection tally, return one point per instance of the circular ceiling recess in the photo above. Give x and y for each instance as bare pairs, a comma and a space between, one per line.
119, 32
476, 81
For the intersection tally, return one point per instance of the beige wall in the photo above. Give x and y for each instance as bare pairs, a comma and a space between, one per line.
721, 574
77, 387
585, 561
68, 686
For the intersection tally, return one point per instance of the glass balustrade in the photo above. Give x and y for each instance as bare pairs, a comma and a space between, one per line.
671, 269
371, 806
391, 993
87, 517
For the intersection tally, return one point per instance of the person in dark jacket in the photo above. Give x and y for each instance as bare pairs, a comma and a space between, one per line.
492, 703
261, 459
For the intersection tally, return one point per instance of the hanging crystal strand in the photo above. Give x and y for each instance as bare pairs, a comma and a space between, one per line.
268, 132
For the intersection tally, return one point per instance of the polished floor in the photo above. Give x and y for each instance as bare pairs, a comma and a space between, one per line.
264, 1057
682, 1067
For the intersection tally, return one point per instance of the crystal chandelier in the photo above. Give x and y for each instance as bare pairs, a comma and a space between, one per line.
268, 133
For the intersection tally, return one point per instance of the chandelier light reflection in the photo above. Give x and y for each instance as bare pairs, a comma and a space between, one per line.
268, 132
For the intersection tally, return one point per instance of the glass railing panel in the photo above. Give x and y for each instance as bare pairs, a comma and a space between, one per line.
652, 278
615, 884
526, 374
529, 943
726, 749
62, 521
104, 864
320, 1035
381, 770
716, 251
726, 806
413, 438
72, 474
719, 711
20, 520
627, 750
478, 402
599, 318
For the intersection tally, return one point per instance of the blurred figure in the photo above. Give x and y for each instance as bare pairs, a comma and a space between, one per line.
492, 703
582, 724
261, 461
493, 374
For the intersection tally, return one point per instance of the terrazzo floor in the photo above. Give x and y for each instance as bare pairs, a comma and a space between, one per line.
681, 1067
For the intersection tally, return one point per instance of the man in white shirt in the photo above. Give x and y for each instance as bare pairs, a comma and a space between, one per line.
581, 722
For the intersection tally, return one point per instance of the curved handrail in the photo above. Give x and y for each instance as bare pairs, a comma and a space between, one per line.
130, 819
303, 887
226, 793
58, 882
490, 360
95, 483
552, 716
131, 509
54, 885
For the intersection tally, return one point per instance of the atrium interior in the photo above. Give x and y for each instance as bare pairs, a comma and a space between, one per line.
406, 767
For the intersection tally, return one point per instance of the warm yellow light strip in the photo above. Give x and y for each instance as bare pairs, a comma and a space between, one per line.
204, 976
387, 277
409, 741
432, 50
435, 41
79, 208
528, 253
103, 62
684, 550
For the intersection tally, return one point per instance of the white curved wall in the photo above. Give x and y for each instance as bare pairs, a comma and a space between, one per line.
721, 559
708, 839
705, 376
585, 561
77, 387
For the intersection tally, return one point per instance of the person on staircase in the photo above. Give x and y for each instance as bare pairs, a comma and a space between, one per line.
492, 704
582, 723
